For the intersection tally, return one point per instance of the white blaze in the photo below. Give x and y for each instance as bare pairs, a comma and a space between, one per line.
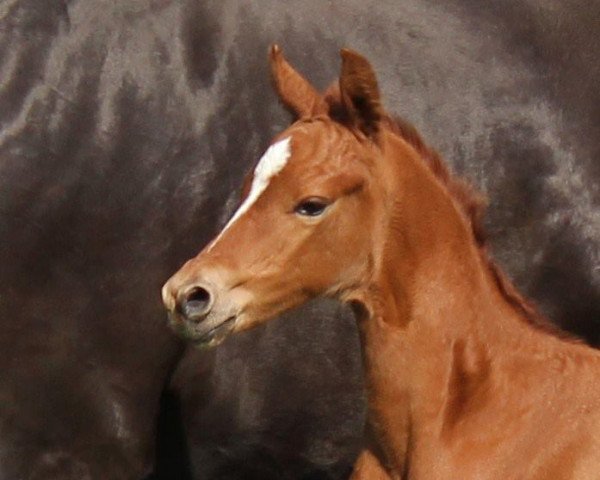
270, 164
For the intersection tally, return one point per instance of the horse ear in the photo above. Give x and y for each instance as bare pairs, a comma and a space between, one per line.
360, 93
294, 91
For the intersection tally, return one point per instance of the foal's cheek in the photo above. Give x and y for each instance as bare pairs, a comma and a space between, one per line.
338, 257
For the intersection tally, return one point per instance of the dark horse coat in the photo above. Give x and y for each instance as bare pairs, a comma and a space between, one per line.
125, 128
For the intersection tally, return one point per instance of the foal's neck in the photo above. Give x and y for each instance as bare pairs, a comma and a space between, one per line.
432, 302
429, 272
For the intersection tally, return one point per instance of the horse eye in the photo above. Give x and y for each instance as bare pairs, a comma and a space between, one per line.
312, 207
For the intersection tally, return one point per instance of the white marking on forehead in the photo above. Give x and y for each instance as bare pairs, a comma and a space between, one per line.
270, 164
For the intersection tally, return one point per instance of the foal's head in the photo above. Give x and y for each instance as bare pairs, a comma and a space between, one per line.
312, 217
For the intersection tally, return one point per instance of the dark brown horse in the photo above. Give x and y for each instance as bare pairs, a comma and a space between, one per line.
465, 379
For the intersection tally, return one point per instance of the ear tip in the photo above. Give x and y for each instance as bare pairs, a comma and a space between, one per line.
274, 50
349, 54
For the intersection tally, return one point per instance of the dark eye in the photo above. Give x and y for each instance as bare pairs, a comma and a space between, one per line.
312, 207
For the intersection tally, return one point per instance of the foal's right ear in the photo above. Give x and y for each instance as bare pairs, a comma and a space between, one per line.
294, 91
360, 93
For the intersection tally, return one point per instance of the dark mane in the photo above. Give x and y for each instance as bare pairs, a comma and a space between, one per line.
473, 204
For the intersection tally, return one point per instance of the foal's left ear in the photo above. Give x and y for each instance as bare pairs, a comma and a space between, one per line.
360, 92
294, 91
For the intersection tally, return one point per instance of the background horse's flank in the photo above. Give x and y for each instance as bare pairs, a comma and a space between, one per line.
126, 129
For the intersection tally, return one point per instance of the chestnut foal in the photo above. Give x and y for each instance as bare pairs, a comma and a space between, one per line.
465, 380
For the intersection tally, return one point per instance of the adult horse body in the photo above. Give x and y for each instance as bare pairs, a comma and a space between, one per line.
465, 379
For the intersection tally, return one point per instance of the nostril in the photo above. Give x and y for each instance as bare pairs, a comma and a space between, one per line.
196, 303
198, 297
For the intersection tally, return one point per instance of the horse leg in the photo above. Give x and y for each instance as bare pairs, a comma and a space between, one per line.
368, 467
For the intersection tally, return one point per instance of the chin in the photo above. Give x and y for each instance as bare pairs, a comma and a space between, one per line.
205, 334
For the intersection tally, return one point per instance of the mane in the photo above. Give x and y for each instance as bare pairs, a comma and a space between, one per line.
473, 205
